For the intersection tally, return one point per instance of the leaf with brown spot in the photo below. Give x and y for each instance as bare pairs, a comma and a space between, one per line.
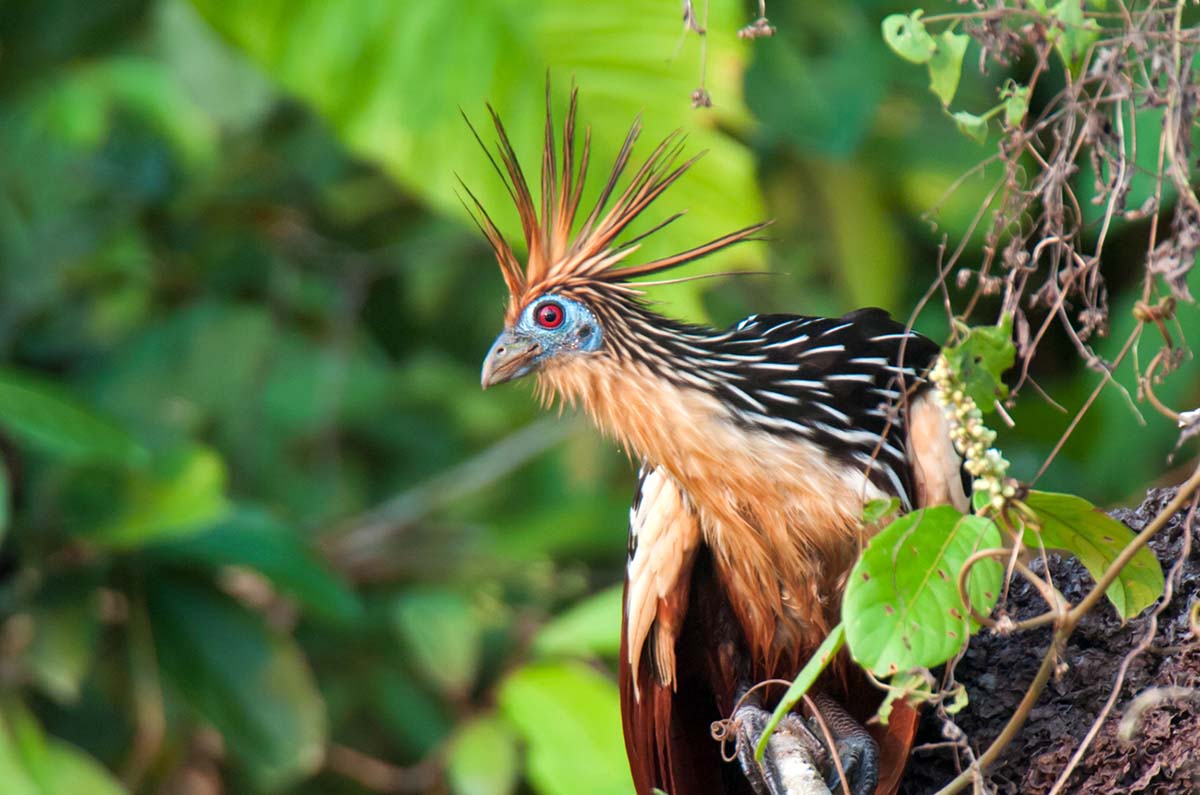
1074, 525
896, 609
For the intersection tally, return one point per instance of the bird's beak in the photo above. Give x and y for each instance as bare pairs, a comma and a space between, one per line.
511, 356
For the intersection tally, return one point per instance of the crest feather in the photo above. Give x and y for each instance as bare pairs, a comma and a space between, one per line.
593, 253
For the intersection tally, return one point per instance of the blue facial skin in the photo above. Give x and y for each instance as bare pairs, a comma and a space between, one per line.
578, 333
528, 344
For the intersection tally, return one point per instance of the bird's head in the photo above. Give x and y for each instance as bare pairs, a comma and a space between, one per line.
572, 297
550, 327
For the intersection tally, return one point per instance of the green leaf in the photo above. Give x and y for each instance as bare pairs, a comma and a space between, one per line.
906, 35
960, 700
911, 686
1076, 526
69, 771
569, 717
1016, 103
47, 417
222, 87
253, 685
592, 626
179, 497
63, 646
812, 669
970, 125
1076, 33
945, 67
440, 630
413, 719
979, 361
482, 759
901, 607
391, 77
143, 87
880, 509
253, 538
13, 772
33, 764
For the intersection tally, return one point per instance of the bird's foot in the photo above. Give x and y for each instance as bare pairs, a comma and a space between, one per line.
855, 747
859, 756
794, 762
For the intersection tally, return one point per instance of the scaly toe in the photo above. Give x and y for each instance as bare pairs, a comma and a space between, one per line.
793, 760
860, 759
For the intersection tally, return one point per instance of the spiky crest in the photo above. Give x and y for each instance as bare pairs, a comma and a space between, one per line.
592, 258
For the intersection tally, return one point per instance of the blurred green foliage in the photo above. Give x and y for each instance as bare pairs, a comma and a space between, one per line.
262, 530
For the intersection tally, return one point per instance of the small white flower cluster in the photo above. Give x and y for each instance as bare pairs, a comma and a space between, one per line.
972, 438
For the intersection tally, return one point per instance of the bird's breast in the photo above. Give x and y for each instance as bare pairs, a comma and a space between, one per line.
781, 516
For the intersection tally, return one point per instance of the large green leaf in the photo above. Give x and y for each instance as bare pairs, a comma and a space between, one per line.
86, 105
483, 758
391, 79
63, 646
901, 608
253, 685
591, 627
441, 632
17, 779
33, 764
255, 539
181, 495
569, 717
68, 770
1076, 526
48, 417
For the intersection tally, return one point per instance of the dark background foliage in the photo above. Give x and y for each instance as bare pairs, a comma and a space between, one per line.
263, 530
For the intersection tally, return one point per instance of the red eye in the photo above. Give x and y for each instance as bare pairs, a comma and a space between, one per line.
549, 315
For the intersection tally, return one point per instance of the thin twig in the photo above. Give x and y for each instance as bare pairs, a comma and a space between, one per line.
380, 776
829, 743
1134, 653
360, 537
1067, 626
1011, 728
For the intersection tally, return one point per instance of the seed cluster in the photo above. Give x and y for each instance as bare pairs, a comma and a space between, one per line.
972, 438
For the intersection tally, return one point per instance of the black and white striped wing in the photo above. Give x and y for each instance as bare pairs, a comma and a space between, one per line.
837, 382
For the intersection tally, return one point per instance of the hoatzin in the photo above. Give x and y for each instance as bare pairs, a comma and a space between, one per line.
759, 446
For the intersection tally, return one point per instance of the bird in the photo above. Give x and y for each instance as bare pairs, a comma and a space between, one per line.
758, 446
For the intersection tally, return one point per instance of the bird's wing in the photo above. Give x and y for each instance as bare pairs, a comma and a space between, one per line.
841, 383
667, 702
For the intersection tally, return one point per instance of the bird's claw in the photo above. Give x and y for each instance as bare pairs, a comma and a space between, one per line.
859, 756
793, 760
796, 759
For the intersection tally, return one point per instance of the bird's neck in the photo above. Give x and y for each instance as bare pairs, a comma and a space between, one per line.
653, 417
